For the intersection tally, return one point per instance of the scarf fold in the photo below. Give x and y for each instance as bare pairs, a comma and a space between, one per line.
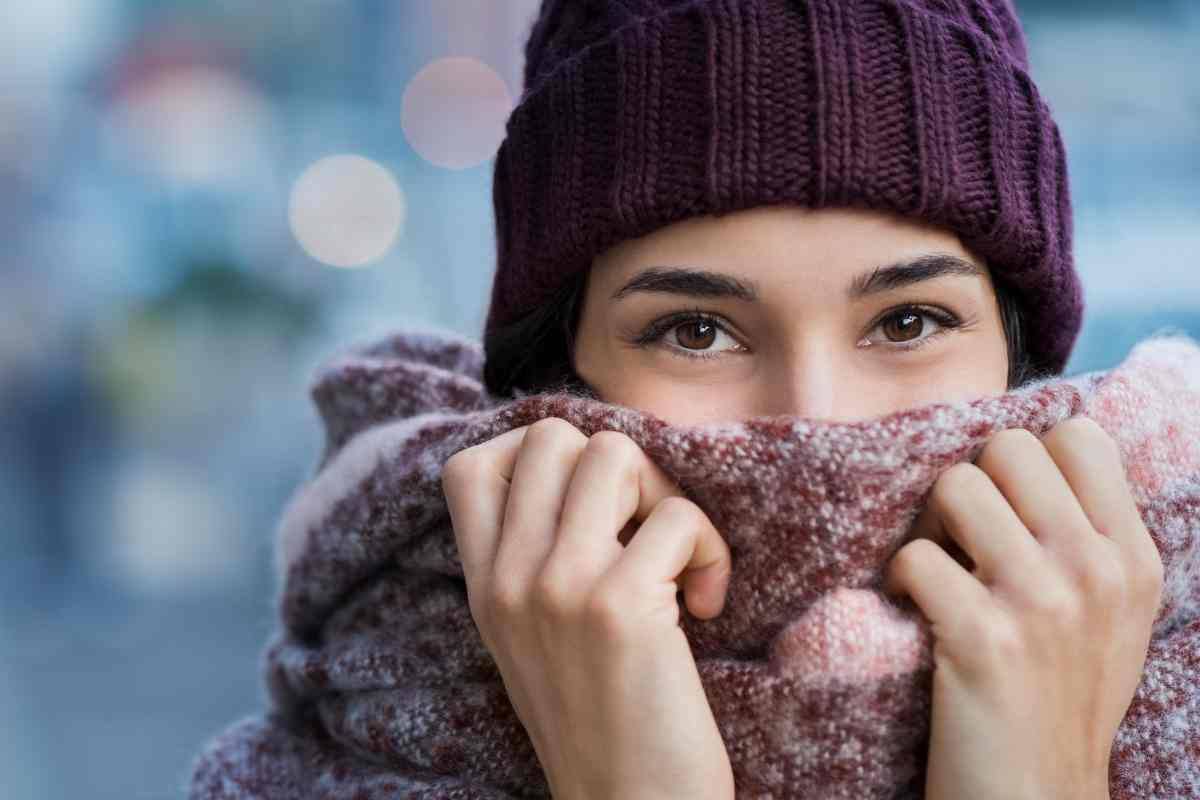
379, 686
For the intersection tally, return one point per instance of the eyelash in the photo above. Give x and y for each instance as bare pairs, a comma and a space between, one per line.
661, 327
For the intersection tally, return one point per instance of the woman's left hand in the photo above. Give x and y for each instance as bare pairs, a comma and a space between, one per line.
1039, 648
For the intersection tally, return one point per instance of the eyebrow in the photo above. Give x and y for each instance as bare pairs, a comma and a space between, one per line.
704, 283
690, 281
913, 270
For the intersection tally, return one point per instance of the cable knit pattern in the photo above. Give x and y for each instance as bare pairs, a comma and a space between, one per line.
380, 687
639, 113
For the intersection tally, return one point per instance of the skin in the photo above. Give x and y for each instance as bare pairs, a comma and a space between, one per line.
1032, 564
799, 348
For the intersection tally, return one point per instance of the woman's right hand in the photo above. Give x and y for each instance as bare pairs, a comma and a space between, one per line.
584, 627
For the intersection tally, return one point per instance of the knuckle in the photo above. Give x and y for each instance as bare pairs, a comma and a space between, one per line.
617, 451
460, 467
959, 479
1061, 605
605, 611
613, 444
504, 598
682, 509
911, 553
1083, 431
552, 594
1005, 444
909, 556
994, 639
1015, 437
1104, 577
1004, 641
1000, 639
550, 429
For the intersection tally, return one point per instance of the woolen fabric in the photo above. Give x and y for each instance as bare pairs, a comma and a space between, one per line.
638, 113
379, 685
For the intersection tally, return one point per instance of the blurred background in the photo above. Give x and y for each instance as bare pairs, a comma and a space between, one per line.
202, 200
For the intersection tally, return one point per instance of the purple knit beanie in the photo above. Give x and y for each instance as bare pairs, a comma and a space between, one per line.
639, 113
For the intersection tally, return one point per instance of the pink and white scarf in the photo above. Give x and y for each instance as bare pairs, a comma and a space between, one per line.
380, 687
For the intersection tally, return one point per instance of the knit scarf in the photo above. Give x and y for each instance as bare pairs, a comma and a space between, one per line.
379, 686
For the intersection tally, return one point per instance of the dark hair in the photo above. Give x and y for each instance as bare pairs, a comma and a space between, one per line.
533, 354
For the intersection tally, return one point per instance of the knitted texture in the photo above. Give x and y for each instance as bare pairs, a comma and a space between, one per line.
380, 686
639, 113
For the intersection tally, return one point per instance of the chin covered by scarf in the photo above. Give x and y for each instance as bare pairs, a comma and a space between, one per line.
379, 686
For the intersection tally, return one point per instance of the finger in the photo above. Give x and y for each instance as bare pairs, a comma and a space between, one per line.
614, 482
1028, 477
1091, 462
941, 587
678, 537
476, 489
544, 465
965, 509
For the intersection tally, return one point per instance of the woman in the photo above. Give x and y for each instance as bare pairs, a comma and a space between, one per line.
712, 211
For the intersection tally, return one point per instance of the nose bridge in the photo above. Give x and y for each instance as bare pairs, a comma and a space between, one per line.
809, 380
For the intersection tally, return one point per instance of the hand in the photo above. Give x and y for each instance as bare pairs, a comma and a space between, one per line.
1040, 647
583, 619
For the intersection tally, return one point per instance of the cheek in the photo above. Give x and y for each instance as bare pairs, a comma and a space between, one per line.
681, 402
977, 371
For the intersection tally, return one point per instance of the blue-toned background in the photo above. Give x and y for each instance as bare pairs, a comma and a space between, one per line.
200, 200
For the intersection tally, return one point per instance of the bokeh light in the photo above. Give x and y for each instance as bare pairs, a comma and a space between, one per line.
454, 112
346, 210
195, 124
173, 530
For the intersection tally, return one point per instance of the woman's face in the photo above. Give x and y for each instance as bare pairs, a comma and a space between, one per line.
839, 314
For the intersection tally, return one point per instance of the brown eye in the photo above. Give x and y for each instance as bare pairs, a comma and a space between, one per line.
693, 335
909, 327
903, 326
697, 334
